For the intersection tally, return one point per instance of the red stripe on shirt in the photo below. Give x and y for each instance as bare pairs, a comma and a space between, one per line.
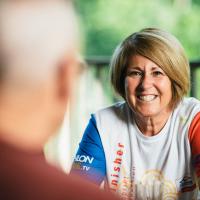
194, 135
194, 138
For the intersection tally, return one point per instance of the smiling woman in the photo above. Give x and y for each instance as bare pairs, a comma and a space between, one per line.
148, 94
158, 129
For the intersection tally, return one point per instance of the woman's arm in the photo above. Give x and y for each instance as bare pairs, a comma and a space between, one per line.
89, 161
194, 138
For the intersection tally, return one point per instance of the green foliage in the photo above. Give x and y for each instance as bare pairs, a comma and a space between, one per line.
188, 31
105, 23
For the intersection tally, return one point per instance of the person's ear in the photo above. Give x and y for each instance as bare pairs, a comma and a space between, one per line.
66, 75
62, 83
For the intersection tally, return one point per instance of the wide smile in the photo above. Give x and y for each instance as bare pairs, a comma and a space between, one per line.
146, 98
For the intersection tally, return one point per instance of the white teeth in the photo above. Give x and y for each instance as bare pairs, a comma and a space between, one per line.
147, 97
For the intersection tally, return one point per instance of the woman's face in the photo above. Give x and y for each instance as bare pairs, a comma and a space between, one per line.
147, 88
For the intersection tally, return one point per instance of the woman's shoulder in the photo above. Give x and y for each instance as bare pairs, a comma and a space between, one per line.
188, 107
117, 110
189, 103
116, 107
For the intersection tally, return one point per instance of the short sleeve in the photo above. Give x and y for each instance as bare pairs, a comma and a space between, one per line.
89, 161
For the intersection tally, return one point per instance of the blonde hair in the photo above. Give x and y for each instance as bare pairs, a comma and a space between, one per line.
160, 47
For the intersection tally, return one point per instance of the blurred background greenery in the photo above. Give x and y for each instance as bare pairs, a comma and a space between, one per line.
104, 24
107, 22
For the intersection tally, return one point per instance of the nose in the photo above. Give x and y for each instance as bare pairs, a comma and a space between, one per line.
146, 81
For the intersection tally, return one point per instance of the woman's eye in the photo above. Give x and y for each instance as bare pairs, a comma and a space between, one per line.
134, 73
157, 73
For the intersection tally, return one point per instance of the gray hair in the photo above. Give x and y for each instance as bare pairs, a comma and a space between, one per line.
34, 36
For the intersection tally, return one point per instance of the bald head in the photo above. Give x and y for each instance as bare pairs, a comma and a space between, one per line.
35, 35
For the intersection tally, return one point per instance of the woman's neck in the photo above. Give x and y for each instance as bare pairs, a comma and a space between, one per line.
151, 125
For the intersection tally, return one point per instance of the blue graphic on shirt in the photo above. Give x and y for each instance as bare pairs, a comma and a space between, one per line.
90, 161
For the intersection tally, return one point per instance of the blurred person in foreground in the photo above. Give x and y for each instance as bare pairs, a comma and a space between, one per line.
38, 63
148, 146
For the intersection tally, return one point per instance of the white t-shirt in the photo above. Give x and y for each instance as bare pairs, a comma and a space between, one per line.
141, 167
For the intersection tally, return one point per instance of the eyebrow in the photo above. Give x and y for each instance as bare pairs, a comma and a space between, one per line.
138, 68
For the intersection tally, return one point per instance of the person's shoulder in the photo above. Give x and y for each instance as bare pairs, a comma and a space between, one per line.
26, 175
83, 190
116, 107
188, 107
118, 110
190, 103
53, 183
62, 186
